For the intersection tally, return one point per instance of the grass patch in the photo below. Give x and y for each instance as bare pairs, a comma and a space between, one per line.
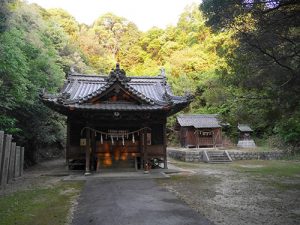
287, 186
40, 206
295, 157
280, 168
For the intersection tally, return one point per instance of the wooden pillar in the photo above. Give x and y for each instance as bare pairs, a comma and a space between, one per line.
98, 164
197, 134
22, 161
5, 159
141, 150
87, 153
68, 142
145, 148
1, 150
221, 138
12, 161
93, 144
165, 145
17, 162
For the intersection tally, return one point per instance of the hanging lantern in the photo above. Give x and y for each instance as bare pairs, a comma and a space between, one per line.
101, 139
123, 140
133, 140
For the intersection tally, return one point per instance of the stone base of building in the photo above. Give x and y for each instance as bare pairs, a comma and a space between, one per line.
246, 144
196, 155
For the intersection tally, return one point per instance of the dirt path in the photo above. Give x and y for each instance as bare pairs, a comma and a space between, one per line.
230, 197
41, 175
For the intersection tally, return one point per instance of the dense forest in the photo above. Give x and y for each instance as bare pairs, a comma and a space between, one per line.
239, 59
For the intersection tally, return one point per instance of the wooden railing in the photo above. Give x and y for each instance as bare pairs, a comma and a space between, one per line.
11, 159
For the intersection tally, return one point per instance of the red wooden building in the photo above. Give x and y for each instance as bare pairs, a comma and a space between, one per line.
199, 130
115, 120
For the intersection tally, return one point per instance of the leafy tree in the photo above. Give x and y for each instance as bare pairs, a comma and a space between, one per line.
265, 65
65, 20
28, 64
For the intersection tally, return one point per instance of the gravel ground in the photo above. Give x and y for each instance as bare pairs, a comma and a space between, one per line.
231, 197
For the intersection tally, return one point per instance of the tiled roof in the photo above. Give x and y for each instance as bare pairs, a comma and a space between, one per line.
244, 128
153, 93
199, 120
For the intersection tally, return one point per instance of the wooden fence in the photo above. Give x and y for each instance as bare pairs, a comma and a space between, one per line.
11, 159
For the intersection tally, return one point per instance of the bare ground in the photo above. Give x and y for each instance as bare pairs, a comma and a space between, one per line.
222, 193
44, 174
230, 196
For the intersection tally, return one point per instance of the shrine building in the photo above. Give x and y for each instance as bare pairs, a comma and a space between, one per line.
199, 130
116, 121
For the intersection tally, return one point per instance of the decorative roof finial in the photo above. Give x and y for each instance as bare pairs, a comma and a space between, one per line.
162, 72
72, 69
117, 74
163, 75
117, 66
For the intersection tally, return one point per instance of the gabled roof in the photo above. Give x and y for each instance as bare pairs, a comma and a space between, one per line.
244, 128
199, 120
151, 93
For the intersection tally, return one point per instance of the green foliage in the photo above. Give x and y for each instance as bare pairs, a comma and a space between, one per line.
264, 67
65, 20
29, 63
289, 129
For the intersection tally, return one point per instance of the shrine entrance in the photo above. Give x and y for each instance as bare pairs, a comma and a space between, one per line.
116, 155
116, 148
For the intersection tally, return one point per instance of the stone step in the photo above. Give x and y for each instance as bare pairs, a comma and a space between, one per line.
217, 157
215, 153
